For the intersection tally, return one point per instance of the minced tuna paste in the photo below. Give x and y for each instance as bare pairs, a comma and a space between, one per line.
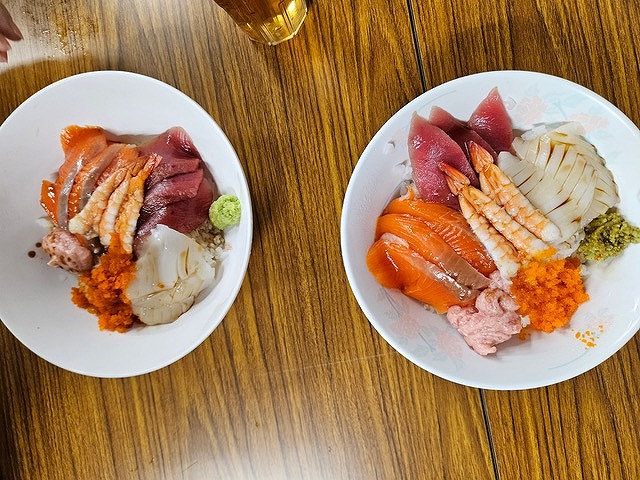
492, 320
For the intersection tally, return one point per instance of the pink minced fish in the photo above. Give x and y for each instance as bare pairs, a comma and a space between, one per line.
492, 320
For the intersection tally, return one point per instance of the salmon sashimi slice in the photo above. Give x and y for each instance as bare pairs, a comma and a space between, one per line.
427, 211
85, 181
451, 226
422, 239
397, 266
79, 144
75, 137
49, 199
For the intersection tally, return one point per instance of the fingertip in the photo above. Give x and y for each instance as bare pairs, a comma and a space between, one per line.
8, 26
15, 33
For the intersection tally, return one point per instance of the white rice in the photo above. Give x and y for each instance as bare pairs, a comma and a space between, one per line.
212, 240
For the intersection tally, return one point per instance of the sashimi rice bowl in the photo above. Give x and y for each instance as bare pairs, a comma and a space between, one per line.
142, 225
128, 224
488, 230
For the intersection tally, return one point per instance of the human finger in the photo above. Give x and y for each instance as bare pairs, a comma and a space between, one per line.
5, 46
8, 28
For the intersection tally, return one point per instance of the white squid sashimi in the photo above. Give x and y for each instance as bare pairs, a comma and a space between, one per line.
563, 175
598, 206
542, 191
171, 271
566, 215
542, 153
563, 200
606, 188
570, 166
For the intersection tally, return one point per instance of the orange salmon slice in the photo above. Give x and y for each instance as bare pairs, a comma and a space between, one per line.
79, 144
398, 266
451, 226
422, 239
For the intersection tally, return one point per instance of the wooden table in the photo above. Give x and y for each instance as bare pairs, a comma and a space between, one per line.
295, 383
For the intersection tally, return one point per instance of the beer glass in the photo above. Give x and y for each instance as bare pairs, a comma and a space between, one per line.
267, 21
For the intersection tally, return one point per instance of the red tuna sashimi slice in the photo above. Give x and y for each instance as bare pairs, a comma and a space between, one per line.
491, 121
458, 130
173, 189
428, 147
451, 226
396, 266
183, 216
170, 167
79, 145
174, 143
432, 247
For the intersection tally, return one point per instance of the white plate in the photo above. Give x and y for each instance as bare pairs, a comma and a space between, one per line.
36, 305
611, 316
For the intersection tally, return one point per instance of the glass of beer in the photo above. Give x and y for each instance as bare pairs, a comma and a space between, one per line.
267, 21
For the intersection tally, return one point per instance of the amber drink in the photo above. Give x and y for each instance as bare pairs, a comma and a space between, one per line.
267, 21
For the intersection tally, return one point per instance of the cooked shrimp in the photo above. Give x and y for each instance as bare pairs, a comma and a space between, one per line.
129, 212
499, 187
110, 214
501, 250
525, 242
86, 222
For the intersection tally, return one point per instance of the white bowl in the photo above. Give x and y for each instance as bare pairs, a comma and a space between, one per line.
608, 320
36, 302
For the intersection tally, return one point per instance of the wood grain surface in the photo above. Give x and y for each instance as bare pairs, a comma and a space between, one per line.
295, 383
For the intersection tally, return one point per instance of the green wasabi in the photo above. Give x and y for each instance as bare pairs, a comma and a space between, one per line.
607, 236
224, 212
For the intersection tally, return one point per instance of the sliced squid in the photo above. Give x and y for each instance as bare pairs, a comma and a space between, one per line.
171, 271
562, 175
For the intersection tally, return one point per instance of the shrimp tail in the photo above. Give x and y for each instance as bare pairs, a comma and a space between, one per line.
456, 180
481, 159
501, 189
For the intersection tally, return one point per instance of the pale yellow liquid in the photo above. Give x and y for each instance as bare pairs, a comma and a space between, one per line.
267, 21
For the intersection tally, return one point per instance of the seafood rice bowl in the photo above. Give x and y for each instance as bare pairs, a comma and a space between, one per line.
121, 113
485, 243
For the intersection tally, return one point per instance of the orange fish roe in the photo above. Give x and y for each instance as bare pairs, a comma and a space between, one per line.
589, 337
102, 291
549, 292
